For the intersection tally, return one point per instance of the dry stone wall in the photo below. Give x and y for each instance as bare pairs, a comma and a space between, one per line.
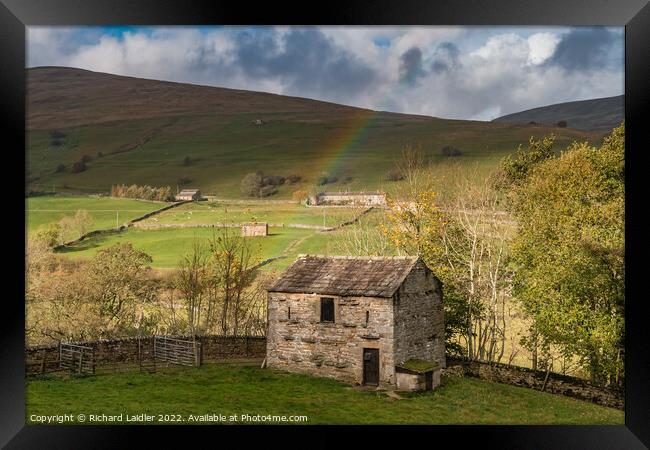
534, 379
43, 359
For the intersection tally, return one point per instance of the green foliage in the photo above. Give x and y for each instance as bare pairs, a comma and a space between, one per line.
515, 169
162, 194
569, 252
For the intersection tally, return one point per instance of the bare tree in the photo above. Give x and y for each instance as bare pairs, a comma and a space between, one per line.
475, 239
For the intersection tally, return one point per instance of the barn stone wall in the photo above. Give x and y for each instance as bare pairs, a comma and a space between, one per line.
301, 343
419, 318
343, 198
255, 229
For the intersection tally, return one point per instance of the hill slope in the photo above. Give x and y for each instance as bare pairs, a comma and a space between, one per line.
599, 114
141, 131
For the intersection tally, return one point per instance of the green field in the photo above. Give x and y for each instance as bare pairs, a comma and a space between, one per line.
273, 213
167, 247
103, 211
230, 389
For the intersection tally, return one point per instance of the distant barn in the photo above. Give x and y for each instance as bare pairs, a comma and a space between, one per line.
349, 198
255, 229
192, 195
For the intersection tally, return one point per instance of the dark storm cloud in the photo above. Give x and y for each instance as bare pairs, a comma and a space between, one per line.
410, 66
446, 57
585, 48
306, 61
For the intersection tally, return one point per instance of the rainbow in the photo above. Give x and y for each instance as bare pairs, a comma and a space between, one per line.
343, 143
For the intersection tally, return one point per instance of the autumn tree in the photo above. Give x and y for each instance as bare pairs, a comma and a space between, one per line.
234, 268
569, 249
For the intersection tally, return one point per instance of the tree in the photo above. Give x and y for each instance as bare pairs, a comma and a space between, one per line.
78, 166
60, 168
415, 226
72, 227
118, 287
561, 124
252, 184
394, 175
187, 161
569, 251
234, 268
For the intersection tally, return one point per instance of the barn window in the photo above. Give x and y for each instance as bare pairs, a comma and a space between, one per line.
327, 309
289, 312
367, 317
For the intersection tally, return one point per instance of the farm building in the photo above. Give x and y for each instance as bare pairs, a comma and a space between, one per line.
188, 195
349, 198
375, 321
255, 229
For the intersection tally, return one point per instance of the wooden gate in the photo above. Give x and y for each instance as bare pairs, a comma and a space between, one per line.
184, 352
76, 358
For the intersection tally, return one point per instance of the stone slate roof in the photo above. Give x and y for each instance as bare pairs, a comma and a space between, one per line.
345, 275
352, 193
188, 191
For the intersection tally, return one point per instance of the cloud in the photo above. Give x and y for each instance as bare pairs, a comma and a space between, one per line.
584, 48
466, 73
446, 57
410, 68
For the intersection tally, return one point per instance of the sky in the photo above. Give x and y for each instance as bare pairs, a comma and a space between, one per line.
475, 73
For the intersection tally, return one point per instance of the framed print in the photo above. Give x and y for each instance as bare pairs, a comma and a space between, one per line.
349, 215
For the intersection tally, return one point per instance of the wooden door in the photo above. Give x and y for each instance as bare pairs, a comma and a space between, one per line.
371, 366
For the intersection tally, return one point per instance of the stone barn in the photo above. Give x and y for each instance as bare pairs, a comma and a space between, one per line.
375, 321
255, 229
349, 198
193, 195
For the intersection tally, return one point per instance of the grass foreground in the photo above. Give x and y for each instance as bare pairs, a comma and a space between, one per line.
236, 393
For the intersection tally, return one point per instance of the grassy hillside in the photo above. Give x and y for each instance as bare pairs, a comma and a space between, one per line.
141, 131
599, 114
230, 389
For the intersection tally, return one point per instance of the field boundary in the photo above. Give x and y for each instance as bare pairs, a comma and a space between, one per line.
107, 231
538, 380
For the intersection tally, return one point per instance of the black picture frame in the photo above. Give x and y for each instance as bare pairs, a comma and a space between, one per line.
633, 14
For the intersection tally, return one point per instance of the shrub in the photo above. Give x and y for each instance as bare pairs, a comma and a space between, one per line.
561, 124
394, 175
326, 178
450, 151
272, 180
78, 167
60, 168
293, 179
187, 161
252, 184
100, 154
86, 158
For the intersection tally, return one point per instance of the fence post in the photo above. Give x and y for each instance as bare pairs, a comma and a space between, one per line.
201, 340
81, 357
139, 355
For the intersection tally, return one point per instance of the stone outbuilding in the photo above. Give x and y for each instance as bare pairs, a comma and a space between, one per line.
349, 199
375, 321
193, 195
255, 229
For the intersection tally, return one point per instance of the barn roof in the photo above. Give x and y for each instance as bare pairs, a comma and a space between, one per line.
345, 275
188, 191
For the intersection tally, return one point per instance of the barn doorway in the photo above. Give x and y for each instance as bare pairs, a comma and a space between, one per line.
371, 366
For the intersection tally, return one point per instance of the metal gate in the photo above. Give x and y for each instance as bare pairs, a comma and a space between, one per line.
76, 358
184, 352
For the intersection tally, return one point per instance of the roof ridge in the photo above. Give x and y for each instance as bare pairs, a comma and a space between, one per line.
307, 255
